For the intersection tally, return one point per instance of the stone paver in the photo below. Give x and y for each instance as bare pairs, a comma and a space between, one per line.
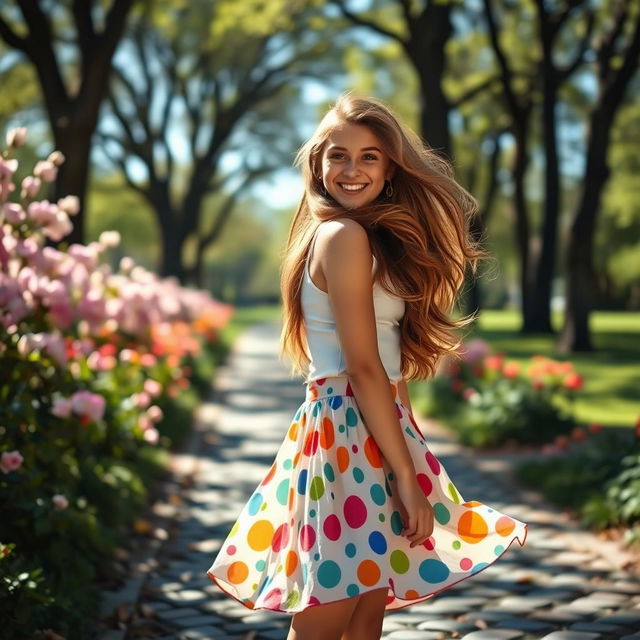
564, 584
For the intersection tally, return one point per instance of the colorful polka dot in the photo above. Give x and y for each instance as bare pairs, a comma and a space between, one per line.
329, 574
355, 511
316, 490
307, 537
441, 513
377, 543
377, 494
332, 527
260, 534
368, 573
472, 527
399, 561
433, 571
237, 572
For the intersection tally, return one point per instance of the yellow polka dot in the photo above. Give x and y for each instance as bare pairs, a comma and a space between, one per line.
260, 535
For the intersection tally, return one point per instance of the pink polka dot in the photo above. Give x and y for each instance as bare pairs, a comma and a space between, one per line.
425, 483
231, 549
331, 527
466, 564
429, 543
354, 448
355, 512
273, 599
280, 537
307, 537
313, 600
432, 461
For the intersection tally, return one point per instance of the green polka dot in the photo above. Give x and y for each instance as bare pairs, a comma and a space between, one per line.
316, 490
292, 599
287, 463
358, 475
328, 472
453, 493
282, 492
399, 561
260, 565
396, 523
441, 513
456, 544
352, 417
341, 428
381, 517
263, 506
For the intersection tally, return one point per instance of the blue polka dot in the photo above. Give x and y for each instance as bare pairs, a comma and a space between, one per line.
287, 463
282, 492
353, 590
328, 472
480, 565
329, 389
335, 402
329, 574
358, 475
433, 571
260, 565
441, 513
396, 523
312, 513
377, 494
352, 417
316, 408
254, 504
377, 543
316, 556
387, 488
350, 550
302, 482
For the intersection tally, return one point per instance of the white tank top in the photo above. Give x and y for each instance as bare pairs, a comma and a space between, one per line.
326, 354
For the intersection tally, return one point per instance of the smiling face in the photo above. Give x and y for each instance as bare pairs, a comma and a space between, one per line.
354, 165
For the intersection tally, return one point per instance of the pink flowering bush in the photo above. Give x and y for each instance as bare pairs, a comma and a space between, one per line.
94, 372
489, 400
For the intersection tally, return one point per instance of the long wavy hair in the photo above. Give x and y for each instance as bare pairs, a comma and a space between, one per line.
420, 237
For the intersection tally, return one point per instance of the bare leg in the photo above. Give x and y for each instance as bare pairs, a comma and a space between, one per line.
322, 622
366, 620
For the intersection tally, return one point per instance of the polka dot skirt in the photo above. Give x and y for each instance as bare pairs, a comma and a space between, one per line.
324, 523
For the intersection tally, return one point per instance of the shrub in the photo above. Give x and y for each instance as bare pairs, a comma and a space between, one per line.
489, 400
89, 358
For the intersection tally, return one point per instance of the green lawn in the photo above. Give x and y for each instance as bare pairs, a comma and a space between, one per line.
611, 392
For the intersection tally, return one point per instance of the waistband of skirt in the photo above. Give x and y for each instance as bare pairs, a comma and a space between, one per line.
338, 386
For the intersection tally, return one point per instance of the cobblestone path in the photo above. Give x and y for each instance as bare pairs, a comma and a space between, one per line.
564, 584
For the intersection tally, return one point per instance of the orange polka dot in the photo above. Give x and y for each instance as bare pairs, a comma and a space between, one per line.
505, 526
313, 392
472, 527
410, 594
368, 573
293, 431
269, 475
291, 562
260, 535
296, 458
303, 420
343, 459
327, 434
311, 443
237, 572
472, 503
372, 452
290, 498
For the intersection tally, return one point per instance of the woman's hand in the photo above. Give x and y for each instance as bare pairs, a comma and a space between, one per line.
417, 513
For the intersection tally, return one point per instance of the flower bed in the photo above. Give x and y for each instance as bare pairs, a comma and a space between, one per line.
95, 368
489, 400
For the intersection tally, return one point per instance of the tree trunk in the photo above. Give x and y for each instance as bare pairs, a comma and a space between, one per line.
581, 281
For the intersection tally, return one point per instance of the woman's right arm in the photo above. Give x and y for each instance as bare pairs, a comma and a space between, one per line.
345, 257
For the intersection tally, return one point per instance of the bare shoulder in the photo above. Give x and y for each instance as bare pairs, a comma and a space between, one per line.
343, 237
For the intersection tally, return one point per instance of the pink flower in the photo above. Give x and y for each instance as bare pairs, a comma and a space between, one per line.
155, 413
109, 239
60, 502
62, 407
30, 187
144, 422
88, 404
10, 461
56, 158
151, 435
14, 213
70, 205
469, 392
45, 170
148, 360
475, 350
59, 228
16, 137
141, 400
152, 387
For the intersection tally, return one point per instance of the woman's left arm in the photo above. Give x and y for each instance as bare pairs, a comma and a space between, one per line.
403, 392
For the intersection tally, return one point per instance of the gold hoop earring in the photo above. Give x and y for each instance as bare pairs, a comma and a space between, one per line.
389, 190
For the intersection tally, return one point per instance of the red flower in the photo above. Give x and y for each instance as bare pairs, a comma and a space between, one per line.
107, 350
578, 433
595, 427
562, 442
511, 370
573, 381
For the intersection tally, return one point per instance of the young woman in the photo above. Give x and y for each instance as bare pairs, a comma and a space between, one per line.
356, 516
